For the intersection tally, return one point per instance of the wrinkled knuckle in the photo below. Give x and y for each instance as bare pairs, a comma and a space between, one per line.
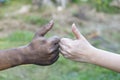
70, 50
64, 53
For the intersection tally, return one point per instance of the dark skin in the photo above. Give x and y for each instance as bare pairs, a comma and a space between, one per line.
39, 51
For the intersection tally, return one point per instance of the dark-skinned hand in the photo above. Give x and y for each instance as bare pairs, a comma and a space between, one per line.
39, 51
42, 51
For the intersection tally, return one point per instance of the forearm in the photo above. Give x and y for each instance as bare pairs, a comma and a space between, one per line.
12, 57
106, 59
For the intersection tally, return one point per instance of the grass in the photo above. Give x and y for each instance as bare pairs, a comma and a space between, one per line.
15, 39
11, 5
104, 6
63, 69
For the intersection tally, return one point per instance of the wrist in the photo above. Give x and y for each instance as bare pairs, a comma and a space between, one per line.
93, 57
24, 54
20, 55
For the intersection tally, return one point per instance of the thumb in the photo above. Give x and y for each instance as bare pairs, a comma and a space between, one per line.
43, 30
76, 31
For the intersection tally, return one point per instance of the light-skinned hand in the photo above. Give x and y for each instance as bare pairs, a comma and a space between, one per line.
76, 50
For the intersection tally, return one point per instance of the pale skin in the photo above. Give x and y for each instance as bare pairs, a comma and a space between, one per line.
81, 50
39, 51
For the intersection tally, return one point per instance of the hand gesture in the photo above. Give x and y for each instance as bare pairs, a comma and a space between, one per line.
77, 50
42, 51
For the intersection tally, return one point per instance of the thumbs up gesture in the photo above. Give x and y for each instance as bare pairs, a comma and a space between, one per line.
76, 50
42, 51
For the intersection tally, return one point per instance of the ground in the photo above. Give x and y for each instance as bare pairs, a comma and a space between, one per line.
17, 27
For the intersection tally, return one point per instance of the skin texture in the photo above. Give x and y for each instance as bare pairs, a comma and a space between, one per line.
39, 51
81, 50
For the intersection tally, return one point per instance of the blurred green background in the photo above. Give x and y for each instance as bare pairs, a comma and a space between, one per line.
98, 21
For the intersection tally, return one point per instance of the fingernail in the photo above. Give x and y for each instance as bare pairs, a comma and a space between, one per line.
73, 24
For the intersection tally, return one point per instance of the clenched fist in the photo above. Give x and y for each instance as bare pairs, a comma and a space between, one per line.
40, 51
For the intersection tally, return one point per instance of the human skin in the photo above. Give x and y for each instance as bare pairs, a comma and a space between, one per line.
81, 50
39, 51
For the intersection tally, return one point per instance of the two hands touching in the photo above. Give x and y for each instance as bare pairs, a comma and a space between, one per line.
42, 51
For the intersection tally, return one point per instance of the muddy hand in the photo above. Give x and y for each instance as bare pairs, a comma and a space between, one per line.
42, 51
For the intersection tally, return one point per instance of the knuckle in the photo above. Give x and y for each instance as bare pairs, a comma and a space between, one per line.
64, 53
54, 40
57, 39
51, 50
70, 51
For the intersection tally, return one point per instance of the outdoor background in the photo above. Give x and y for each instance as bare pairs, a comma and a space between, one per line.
98, 21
